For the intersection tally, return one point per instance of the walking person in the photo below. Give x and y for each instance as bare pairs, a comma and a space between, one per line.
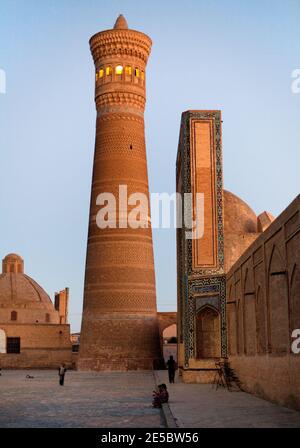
171, 366
61, 372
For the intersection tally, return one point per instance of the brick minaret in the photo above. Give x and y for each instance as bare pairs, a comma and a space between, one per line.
119, 327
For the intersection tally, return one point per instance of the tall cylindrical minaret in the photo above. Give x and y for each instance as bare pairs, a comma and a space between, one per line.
119, 326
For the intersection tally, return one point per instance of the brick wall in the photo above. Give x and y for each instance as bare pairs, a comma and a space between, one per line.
263, 308
42, 346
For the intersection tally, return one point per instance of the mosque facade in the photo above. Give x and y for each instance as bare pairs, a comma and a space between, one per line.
34, 332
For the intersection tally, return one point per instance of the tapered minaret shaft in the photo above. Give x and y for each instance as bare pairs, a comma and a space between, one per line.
119, 326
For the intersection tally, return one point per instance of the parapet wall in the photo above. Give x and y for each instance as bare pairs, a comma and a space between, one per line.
263, 309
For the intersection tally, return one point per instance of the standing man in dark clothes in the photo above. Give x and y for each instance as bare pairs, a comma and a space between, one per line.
171, 366
61, 372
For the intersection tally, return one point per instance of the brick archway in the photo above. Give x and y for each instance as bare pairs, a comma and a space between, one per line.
164, 321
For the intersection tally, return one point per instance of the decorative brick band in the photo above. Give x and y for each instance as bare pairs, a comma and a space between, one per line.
120, 98
120, 43
115, 115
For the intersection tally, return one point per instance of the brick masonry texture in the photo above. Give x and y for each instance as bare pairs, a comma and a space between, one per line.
27, 312
263, 308
119, 327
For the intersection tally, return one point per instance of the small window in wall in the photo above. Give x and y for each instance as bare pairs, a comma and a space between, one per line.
13, 345
119, 70
101, 73
137, 72
47, 317
97, 76
12, 268
13, 315
56, 302
128, 70
108, 71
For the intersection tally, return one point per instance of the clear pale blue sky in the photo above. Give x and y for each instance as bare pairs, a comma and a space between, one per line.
231, 55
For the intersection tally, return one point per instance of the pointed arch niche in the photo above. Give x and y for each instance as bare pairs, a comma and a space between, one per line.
295, 298
278, 303
208, 334
249, 314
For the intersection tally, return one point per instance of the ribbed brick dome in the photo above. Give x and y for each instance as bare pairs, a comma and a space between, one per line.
239, 217
22, 294
240, 227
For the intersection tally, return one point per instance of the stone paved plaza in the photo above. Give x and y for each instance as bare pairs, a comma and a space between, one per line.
201, 406
86, 400
123, 400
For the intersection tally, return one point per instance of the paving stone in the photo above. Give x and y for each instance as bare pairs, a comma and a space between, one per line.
202, 406
117, 399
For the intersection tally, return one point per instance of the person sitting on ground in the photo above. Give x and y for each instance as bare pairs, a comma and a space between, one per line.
160, 396
164, 394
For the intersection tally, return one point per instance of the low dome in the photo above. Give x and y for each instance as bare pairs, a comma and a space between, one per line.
21, 294
240, 227
13, 257
238, 216
12, 263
